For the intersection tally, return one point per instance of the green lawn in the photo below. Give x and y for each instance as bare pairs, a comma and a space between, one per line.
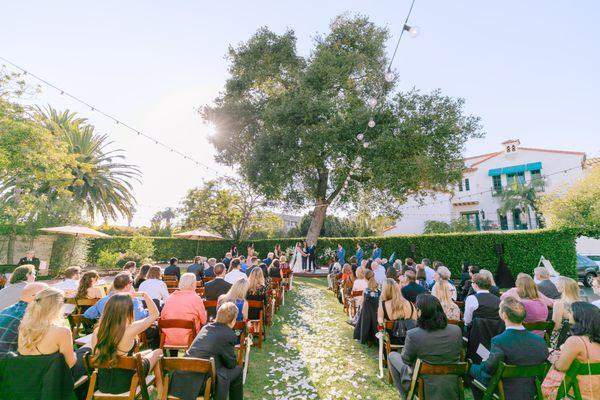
310, 354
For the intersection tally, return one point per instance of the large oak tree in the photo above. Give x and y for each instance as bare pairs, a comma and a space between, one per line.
291, 123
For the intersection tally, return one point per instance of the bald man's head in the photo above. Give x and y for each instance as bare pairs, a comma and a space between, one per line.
30, 290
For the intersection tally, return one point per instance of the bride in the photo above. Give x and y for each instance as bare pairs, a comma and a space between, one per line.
297, 258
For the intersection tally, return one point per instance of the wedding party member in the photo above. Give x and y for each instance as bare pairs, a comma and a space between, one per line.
298, 262
412, 289
10, 317
444, 291
29, 259
173, 269
311, 250
155, 287
583, 346
359, 254
186, 305
433, 341
515, 346
376, 252
197, 268
21, 276
70, 284
234, 273
42, 330
87, 286
277, 251
216, 340
130, 266
250, 250
141, 276
122, 284
341, 254
233, 251
116, 335
237, 296
544, 284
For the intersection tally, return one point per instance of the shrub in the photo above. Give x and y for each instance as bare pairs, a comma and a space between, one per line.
522, 250
141, 247
107, 259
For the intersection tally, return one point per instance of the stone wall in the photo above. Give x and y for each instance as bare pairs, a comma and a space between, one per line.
42, 245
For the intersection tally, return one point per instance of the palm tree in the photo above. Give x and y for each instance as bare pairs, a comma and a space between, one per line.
521, 196
101, 183
168, 214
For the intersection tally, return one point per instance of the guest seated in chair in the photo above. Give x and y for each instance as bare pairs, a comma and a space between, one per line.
218, 286
433, 341
21, 276
216, 340
515, 346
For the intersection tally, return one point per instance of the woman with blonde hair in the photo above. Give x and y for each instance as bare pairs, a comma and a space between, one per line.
257, 291
393, 305
446, 293
366, 324
116, 336
359, 284
43, 329
562, 313
237, 295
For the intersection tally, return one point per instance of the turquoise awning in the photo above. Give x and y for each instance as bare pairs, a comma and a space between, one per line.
515, 169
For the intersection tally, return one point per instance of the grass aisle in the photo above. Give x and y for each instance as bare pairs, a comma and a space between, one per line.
310, 354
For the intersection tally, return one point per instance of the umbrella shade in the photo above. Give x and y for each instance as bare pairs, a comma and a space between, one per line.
75, 230
198, 234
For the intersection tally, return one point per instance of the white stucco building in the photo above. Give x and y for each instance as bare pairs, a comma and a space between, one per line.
477, 198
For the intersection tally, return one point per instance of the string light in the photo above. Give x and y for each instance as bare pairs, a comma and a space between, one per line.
389, 76
371, 123
413, 31
360, 136
372, 102
366, 145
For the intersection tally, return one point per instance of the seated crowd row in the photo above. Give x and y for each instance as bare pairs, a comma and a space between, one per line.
417, 308
33, 323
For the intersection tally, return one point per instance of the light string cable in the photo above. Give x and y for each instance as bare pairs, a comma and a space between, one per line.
111, 117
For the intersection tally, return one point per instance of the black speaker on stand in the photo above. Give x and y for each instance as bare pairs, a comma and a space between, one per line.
504, 278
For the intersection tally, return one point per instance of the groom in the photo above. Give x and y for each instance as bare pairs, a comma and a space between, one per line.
312, 256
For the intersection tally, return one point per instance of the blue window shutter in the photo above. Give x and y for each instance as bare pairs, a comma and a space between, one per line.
534, 166
495, 172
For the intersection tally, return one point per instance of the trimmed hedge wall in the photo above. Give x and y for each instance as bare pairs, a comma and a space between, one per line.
522, 250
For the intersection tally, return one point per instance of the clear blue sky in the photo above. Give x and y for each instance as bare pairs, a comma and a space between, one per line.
530, 69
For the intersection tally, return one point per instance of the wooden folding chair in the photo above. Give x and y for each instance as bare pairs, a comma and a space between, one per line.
77, 324
388, 326
495, 389
460, 370
256, 304
139, 382
207, 279
459, 323
168, 365
211, 307
172, 285
167, 278
176, 324
546, 326
570, 387
200, 291
353, 295
80, 303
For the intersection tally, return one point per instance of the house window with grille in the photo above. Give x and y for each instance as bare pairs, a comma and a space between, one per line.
497, 184
467, 184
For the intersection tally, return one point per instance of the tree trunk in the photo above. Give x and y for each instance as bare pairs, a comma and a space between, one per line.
316, 223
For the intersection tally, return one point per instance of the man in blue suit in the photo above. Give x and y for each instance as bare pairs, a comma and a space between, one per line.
359, 254
341, 254
311, 250
515, 346
376, 252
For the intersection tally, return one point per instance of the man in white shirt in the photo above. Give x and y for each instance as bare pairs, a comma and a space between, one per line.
71, 282
379, 272
235, 274
482, 304
429, 272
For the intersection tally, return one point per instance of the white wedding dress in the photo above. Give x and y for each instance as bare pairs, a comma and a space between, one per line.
297, 261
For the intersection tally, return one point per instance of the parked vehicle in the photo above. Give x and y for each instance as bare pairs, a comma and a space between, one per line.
595, 258
587, 269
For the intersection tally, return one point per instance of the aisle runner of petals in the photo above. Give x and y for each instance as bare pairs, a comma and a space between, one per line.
316, 357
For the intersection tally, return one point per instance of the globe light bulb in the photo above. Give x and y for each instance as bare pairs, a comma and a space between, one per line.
371, 123
360, 136
413, 31
366, 144
372, 102
389, 76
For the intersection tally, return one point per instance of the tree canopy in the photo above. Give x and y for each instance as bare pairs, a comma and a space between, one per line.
291, 123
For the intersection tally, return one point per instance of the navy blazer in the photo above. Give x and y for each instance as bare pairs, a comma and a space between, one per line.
516, 347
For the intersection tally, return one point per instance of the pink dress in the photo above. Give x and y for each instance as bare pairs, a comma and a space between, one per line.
183, 304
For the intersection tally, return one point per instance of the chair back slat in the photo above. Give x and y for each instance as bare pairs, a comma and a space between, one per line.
525, 371
176, 323
456, 322
167, 278
461, 368
188, 364
356, 293
210, 303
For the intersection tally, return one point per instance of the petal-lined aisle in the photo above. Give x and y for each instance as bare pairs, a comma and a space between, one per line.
310, 353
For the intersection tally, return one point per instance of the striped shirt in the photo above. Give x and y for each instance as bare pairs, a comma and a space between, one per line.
10, 319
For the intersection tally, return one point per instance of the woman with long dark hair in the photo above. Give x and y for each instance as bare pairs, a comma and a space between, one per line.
116, 336
87, 286
141, 276
433, 341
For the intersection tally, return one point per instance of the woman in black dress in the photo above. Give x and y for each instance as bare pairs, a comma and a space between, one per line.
116, 336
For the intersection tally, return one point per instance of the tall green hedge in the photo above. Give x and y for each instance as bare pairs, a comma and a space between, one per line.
522, 250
